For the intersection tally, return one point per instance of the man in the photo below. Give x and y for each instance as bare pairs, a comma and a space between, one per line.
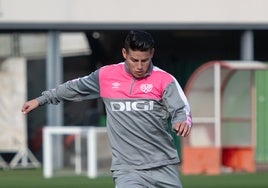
139, 99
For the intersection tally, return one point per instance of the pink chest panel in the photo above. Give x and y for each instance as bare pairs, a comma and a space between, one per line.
115, 83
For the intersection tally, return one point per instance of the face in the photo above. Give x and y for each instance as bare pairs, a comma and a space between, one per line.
138, 62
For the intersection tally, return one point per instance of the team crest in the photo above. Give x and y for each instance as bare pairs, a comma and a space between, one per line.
146, 88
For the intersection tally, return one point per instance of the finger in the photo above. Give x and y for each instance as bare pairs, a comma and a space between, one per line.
176, 128
26, 109
181, 131
186, 131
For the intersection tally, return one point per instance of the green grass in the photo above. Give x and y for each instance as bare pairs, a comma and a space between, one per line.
256, 180
33, 178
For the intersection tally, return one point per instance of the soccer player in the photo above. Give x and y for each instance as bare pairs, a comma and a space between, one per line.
139, 100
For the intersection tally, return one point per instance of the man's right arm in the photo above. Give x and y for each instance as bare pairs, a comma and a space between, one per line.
75, 90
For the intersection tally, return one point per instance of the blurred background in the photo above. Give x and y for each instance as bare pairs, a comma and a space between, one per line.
44, 43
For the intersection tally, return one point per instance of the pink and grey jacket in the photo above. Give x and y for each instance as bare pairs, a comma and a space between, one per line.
137, 112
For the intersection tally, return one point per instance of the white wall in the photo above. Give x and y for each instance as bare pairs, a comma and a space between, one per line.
13, 135
134, 11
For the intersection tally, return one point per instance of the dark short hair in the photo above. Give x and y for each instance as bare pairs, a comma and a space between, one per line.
139, 41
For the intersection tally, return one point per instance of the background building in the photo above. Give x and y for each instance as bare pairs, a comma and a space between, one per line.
64, 39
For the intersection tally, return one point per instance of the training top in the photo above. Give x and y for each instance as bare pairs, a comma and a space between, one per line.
137, 112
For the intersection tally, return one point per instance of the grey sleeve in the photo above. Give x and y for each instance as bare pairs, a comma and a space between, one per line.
75, 90
176, 103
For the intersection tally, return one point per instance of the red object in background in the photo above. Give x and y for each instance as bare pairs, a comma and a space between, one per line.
36, 139
239, 158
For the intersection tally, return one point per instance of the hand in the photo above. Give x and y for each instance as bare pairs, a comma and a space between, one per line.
182, 129
29, 106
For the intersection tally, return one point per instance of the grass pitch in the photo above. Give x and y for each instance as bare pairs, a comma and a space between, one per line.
33, 178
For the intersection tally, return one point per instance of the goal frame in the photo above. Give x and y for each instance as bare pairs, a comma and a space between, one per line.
89, 132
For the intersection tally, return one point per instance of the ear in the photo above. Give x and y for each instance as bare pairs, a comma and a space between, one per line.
124, 53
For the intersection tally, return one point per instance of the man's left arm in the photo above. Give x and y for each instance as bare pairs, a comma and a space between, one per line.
179, 109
